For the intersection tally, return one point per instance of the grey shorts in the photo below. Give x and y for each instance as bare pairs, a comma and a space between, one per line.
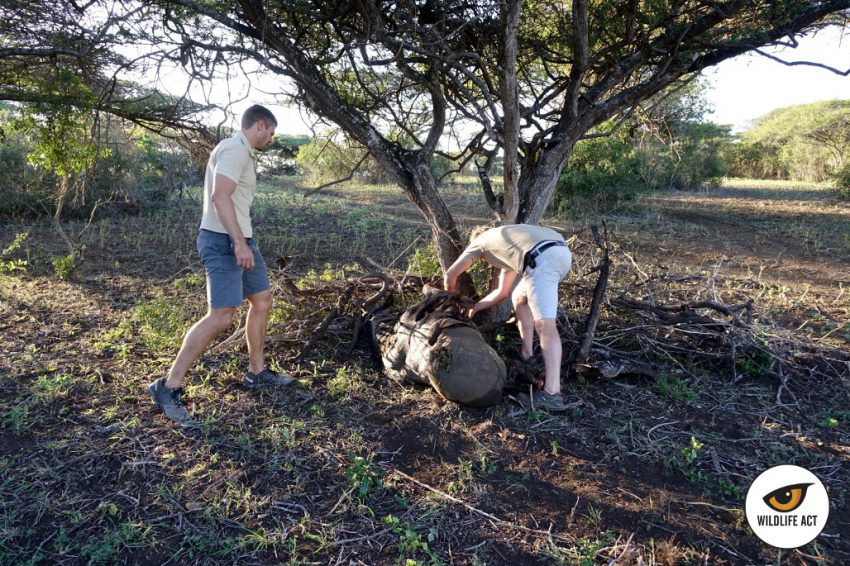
228, 284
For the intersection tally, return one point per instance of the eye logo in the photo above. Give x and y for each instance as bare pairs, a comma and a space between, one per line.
787, 506
786, 499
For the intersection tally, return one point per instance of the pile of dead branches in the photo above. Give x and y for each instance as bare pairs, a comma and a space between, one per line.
616, 318
651, 321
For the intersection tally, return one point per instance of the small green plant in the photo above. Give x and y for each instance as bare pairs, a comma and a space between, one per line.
14, 264
692, 451
106, 548
50, 385
754, 363
191, 281
364, 475
842, 415
411, 543
425, 263
676, 389
280, 436
690, 454
114, 341
729, 490
339, 384
582, 553
161, 323
594, 516
64, 266
16, 418
828, 421
537, 414
465, 473
506, 345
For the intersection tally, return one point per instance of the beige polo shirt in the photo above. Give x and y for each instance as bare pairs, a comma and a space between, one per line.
506, 246
235, 159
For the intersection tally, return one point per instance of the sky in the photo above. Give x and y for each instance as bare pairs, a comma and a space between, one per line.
751, 85
740, 89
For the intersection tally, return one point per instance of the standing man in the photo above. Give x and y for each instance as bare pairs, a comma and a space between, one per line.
235, 269
541, 256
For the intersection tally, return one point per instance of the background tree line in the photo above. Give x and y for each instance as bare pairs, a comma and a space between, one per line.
531, 79
669, 146
535, 83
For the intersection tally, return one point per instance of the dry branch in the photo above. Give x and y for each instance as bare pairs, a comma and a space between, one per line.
323, 327
477, 511
582, 354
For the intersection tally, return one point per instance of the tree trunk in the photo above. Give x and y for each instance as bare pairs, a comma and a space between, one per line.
57, 216
537, 185
422, 192
510, 104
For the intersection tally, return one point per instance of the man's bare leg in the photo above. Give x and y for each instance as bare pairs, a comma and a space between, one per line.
196, 341
550, 343
525, 322
255, 329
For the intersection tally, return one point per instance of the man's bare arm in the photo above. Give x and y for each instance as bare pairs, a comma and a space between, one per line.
497, 295
222, 200
453, 272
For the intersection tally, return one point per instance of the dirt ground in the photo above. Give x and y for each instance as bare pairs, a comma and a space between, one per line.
347, 467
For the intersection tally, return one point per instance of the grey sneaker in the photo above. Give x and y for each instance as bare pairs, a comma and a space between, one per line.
170, 402
266, 378
543, 400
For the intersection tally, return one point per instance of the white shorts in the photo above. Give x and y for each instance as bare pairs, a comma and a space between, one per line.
540, 285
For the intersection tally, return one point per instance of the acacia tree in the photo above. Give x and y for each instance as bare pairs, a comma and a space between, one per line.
534, 78
43, 39
60, 67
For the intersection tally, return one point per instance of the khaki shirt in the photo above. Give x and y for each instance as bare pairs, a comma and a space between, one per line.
235, 159
506, 246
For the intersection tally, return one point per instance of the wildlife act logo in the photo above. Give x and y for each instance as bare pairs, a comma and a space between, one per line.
787, 506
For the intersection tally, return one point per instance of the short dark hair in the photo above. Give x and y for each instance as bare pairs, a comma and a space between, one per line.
256, 113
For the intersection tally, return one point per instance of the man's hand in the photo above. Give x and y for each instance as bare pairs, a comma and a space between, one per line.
244, 255
452, 273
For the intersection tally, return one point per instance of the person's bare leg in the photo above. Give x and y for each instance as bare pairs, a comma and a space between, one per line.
550, 344
255, 329
196, 341
525, 323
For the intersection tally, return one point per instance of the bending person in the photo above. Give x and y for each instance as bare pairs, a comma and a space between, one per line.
541, 256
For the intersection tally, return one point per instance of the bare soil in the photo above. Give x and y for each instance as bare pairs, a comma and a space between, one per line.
347, 467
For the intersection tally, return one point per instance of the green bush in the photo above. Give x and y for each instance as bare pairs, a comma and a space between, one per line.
689, 158
163, 168
666, 146
325, 159
279, 158
440, 165
800, 143
64, 266
28, 190
602, 173
753, 160
131, 170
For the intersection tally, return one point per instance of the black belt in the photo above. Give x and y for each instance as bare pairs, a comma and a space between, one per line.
532, 254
